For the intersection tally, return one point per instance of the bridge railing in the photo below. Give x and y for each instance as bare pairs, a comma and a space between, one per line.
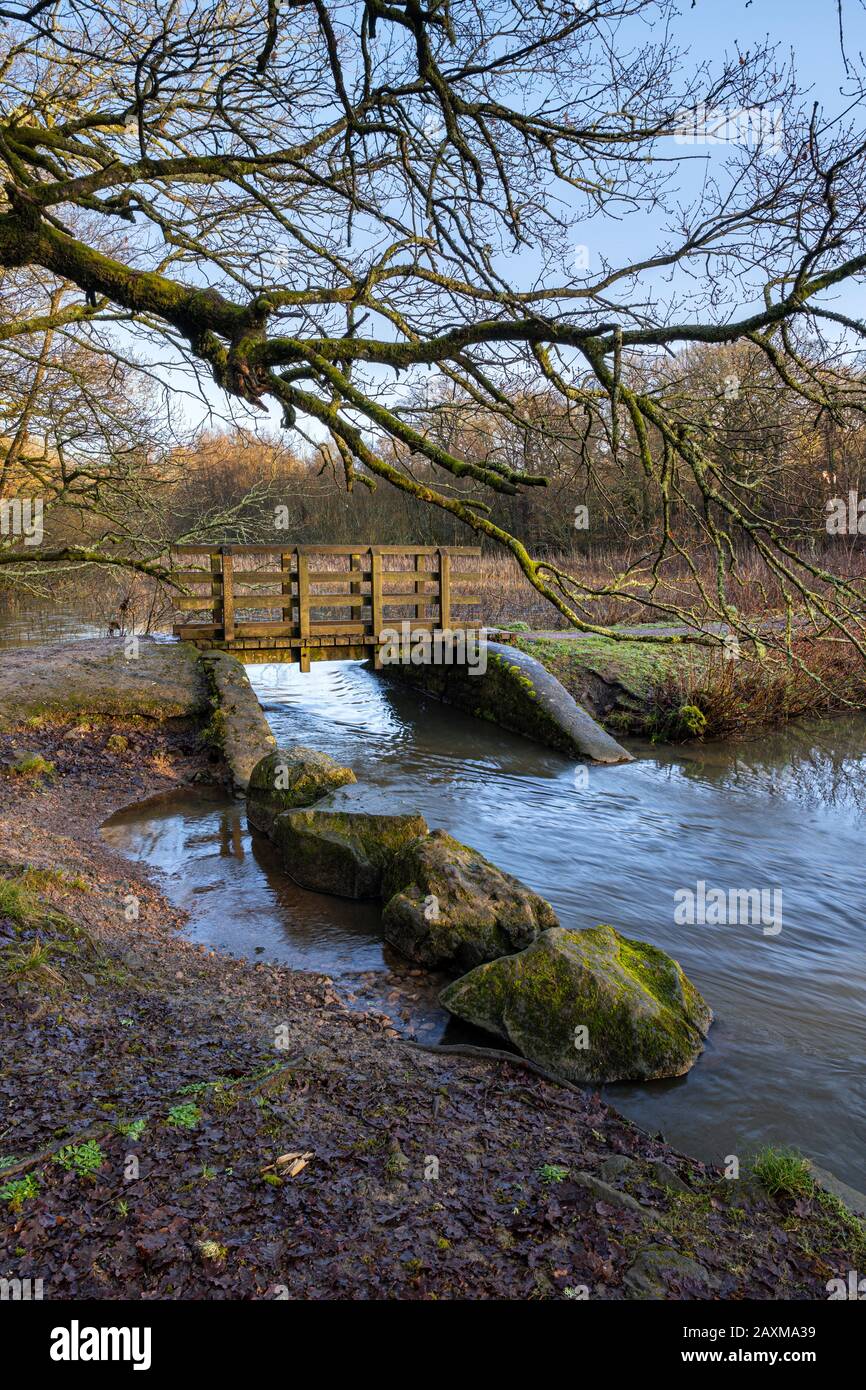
324, 596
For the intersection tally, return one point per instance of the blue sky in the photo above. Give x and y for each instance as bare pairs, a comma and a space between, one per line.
712, 29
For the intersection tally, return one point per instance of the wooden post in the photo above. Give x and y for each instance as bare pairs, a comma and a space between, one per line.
228, 598
420, 598
216, 588
286, 586
376, 603
303, 595
304, 607
444, 590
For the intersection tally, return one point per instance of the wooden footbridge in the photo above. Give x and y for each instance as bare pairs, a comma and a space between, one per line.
321, 602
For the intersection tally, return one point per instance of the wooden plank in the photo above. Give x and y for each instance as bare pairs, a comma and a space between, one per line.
303, 594
351, 549
190, 605
338, 600
288, 587
188, 630
410, 574
216, 584
228, 598
407, 595
339, 576
259, 577
331, 549
323, 629
192, 576
426, 549
444, 589
376, 603
247, 601
356, 565
244, 629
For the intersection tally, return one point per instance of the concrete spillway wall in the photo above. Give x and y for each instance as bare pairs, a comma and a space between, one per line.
518, 693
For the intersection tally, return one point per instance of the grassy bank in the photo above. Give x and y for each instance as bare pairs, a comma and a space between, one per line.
680, 692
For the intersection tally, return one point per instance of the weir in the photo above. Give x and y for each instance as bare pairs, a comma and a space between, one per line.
263, 604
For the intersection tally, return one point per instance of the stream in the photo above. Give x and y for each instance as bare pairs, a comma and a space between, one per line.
783, 813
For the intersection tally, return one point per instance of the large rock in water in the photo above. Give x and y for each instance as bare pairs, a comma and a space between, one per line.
344, 853
642, 1017
291, 777
449, 906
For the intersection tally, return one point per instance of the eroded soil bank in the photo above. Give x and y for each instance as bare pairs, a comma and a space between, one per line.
171, 1081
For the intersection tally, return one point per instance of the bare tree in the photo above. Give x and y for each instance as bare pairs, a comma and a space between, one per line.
321, 202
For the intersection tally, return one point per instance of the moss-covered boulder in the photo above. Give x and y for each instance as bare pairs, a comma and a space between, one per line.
591, 1006
344, 853
449, 906
288, 778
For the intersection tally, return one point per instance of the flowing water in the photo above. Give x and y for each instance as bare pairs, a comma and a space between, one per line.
784, 812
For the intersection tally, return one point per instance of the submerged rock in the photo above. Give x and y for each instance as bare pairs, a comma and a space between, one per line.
344, 853
291, 777
449, 906
855, 1201
591, 1006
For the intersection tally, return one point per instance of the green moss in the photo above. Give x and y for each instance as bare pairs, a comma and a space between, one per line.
342, 853
636, 665
642, 1017
481, 912
213, 733
18, 902
33, 766
292, 777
